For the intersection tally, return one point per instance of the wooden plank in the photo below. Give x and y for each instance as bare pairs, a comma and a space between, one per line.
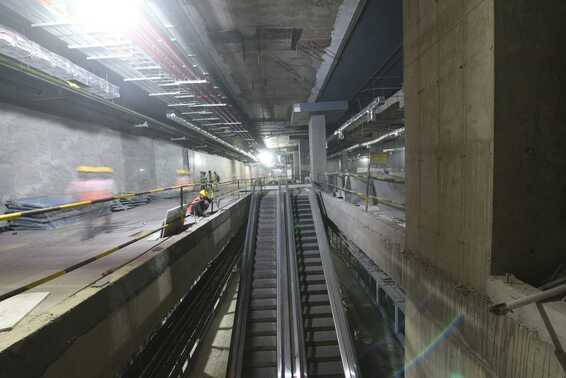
14, 309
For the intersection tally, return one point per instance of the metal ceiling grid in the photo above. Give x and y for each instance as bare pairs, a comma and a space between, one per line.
180, 83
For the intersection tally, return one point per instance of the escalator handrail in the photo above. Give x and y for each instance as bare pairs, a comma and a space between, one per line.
341, 325
235, 363
299, 352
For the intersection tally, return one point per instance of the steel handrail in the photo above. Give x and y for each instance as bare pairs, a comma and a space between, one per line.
361, 177
15, 215
363, 196
299, 352
341, 325
236, 359
284, 352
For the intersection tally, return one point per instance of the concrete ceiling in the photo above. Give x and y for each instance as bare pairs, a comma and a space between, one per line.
269, 52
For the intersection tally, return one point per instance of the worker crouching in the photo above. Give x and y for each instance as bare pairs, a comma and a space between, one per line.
200, 204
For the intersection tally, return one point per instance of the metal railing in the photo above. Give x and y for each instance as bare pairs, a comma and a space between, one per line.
105, 253
343, 332
363, 178
296, 315
10, 216
284, 327
236, 359
365, 197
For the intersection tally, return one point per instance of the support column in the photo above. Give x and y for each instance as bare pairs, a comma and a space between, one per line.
484, 95
317, 144
296, 165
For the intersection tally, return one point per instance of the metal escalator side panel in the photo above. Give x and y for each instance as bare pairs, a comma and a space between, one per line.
235, 363
341, 325
284, 365
299, 353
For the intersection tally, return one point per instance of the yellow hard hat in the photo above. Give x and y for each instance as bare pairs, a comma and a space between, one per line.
203, 193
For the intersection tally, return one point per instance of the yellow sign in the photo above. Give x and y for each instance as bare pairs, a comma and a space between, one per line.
379, 158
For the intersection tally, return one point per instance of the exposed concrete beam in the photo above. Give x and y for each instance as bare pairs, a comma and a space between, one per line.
348, 16
320, 107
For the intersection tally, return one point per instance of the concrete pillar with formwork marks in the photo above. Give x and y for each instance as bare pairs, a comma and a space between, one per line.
317, 146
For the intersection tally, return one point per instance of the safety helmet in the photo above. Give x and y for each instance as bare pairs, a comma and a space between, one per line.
203, 193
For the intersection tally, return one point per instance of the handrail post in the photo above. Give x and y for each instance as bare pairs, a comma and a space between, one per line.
368, 180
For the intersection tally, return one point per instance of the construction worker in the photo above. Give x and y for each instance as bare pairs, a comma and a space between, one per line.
202, 180
200, 204
216, 179
94, 183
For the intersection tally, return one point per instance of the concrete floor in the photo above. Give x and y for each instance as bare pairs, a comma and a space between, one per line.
212, 358
26, 256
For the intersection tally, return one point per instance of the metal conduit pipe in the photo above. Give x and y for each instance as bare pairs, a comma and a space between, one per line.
165, 54
183, 122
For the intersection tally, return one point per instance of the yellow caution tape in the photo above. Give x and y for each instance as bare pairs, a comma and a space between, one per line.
93, 169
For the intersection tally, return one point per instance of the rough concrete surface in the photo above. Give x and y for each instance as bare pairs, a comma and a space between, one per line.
95, 332
271, 52
449, 331
39, 154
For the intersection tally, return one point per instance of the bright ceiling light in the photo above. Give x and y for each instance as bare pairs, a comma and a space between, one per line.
266, 158
115, 16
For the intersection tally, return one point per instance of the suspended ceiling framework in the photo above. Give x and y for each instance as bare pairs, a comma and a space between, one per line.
150, 56
263, 59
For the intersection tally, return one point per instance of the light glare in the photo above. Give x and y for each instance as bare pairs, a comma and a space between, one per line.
266, 158
116, 16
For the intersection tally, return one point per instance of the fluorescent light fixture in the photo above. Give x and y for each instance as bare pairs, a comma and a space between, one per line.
100, 45
189, 125
110, 57
183, 82
181, 104
186, 96
207, 105
364, 159
164, 94
200, 113
142, 68
147, 78
206, 119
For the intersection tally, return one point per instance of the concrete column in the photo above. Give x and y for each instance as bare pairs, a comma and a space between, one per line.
296, 165
484, 89
317, 146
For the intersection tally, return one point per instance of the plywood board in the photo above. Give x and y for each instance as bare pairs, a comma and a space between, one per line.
14, 309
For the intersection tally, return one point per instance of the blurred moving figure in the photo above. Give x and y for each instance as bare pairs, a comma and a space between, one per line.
94, 183
199, 204
216, 180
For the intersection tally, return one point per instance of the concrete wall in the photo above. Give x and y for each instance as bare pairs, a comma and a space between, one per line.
530, 157
449, 121
39, 154
484, 86
226, 169
449, 331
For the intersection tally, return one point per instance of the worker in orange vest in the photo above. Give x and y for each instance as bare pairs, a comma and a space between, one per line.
199, 204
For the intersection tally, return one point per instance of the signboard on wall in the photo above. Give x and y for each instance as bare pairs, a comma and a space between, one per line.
380, 158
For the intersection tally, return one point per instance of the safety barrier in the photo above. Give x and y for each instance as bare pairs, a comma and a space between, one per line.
73, 205
119, 247
365, 197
